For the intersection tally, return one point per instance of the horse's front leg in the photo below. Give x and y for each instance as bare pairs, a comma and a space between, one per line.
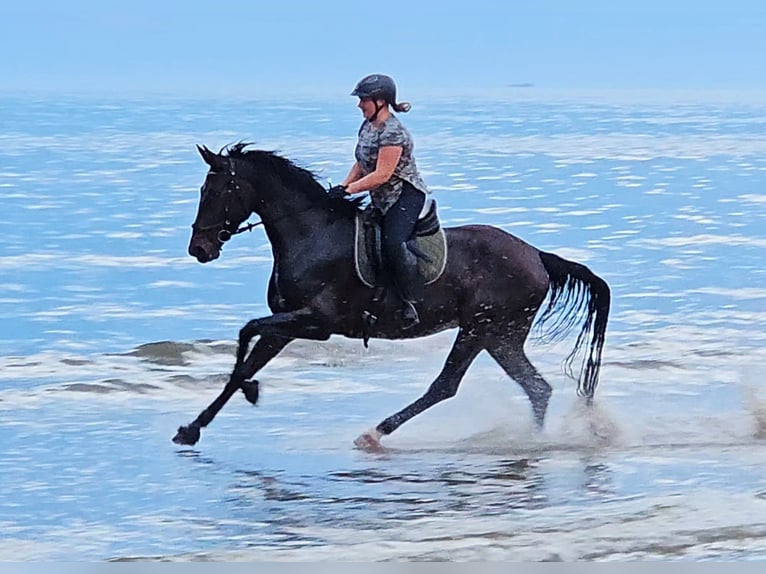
274, 333
297, 324
301, 324
264, 350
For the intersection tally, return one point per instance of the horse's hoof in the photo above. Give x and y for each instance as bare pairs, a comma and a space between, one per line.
251, 390
188, 435
369, 441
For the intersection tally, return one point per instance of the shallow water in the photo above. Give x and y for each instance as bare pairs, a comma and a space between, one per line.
111, 337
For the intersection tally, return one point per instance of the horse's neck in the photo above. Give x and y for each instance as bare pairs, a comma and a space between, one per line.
299, 223
273, 202
309, 231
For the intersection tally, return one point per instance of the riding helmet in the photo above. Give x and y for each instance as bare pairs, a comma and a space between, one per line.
376, 86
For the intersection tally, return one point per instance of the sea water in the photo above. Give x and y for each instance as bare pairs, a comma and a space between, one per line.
111, 336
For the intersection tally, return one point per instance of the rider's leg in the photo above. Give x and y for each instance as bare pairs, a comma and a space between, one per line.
398, 226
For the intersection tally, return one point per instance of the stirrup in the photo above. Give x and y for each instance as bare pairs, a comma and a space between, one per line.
368, 321
409, 315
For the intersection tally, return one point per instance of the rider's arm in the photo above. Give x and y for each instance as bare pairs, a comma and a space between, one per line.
388, 158
354, 174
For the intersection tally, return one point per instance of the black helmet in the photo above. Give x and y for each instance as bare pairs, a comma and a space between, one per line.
376, 87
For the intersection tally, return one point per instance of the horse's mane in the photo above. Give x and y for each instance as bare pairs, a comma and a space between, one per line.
291, 174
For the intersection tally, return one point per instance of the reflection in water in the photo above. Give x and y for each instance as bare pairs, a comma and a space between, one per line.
196, 456
361, 497
597, 479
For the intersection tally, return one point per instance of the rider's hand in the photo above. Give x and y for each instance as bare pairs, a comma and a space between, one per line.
337, 192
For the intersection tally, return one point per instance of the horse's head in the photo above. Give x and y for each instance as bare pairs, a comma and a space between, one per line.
242, 181
222, 207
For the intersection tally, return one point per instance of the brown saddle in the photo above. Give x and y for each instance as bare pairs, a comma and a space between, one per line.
429, 244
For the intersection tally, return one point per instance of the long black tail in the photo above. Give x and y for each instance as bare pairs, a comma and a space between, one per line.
576, 296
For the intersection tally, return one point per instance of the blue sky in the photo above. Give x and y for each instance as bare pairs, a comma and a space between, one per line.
301, 46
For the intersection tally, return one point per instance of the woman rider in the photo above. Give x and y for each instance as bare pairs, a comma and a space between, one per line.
386, 168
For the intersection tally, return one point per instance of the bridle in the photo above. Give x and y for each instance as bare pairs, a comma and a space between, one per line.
225, 232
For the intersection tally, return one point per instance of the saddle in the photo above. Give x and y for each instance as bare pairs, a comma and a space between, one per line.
428, 243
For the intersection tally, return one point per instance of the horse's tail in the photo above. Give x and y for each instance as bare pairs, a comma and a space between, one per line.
576, 295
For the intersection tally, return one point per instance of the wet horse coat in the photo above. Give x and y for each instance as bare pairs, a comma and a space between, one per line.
492, 290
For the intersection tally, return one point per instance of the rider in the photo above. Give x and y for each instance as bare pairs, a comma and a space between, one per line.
386, 168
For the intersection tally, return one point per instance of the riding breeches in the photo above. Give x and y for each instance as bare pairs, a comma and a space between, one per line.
397, 227
400, 219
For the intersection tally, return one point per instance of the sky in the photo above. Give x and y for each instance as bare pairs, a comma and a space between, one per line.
324, 46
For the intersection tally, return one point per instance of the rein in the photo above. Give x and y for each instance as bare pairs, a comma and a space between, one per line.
224, 235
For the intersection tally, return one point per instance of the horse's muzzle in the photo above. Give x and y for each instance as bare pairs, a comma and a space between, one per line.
203, 250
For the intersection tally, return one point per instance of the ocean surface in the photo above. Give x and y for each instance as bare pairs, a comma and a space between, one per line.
111, 336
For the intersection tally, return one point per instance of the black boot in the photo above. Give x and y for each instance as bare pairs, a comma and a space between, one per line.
404, 268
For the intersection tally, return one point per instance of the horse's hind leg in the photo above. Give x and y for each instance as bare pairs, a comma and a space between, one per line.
511, 357
265, 349
463, 352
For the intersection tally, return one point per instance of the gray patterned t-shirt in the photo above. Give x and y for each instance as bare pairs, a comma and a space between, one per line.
371, 139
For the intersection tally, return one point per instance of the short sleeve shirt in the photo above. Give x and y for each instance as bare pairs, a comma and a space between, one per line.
371, 139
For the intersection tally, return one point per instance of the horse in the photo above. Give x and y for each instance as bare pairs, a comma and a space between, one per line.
493, 289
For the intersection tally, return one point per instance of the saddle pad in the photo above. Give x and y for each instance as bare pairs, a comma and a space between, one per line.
434, 246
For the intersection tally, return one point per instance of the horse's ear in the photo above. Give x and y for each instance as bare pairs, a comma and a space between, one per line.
211, 158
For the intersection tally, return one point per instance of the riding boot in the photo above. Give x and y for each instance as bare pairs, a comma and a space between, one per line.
404, 267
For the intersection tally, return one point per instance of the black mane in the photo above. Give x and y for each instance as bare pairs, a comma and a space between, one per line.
290, 174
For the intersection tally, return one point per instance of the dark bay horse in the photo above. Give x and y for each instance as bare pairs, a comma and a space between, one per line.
493, 289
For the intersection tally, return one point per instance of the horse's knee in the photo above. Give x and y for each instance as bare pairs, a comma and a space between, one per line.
249, 331
246, 334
